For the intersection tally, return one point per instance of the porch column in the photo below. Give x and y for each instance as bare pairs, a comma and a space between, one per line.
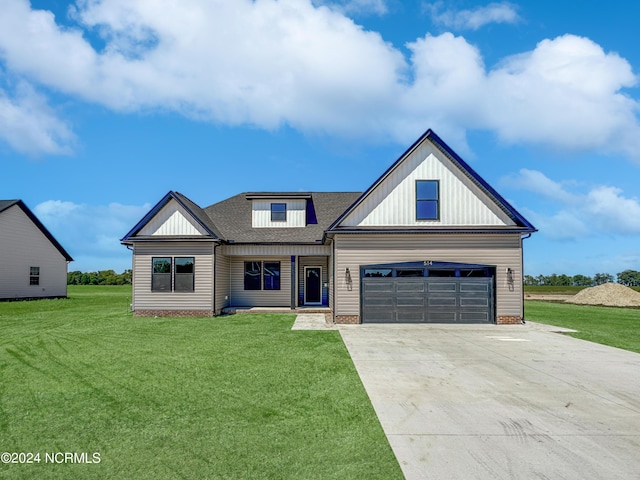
293, 282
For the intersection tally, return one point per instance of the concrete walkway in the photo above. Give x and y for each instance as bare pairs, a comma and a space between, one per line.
312, 321
500, 402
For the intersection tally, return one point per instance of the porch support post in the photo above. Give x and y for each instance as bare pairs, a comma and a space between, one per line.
293, 282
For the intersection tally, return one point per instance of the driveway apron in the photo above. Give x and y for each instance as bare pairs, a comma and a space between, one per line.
503, 402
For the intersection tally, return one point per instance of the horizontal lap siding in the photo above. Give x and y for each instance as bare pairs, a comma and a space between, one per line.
503, 251
260, 298
23, 245
222, 281
202, 296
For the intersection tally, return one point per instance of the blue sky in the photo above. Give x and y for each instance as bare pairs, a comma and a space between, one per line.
105, 105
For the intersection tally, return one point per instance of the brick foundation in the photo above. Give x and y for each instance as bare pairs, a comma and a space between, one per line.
348, 319
506, 320
173, 313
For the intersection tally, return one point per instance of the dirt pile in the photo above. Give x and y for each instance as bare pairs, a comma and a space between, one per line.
609, 294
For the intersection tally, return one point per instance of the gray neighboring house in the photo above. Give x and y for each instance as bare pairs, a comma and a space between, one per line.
429, 241
34, 264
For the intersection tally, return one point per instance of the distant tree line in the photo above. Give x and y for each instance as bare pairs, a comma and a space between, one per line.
103, 277
629, 278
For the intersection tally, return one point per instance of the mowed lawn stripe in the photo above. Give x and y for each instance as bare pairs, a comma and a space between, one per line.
616, 327
228, 397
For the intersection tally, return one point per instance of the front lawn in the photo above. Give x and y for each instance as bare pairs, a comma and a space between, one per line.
617, 327
239, 397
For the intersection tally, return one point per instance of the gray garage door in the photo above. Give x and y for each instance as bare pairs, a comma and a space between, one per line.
390, 297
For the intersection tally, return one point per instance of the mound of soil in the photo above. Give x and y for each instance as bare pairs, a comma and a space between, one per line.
608, 294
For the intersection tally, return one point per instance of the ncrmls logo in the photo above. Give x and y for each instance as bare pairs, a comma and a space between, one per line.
71, 457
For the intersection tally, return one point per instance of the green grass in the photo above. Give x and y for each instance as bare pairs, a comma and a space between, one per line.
237, 397
617, 327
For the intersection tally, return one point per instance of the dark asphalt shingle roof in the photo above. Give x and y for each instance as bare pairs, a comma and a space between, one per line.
233, 217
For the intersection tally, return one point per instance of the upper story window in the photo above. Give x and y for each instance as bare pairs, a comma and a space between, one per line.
34, 275
278, 212
427, 199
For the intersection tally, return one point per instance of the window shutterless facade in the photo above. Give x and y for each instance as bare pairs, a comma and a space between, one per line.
34, 275
262, 275
172, 274
278, 212
427, 199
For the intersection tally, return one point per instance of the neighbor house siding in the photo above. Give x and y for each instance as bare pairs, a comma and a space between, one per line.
201, 299
23, 245
502, 251
222, 284
260, 298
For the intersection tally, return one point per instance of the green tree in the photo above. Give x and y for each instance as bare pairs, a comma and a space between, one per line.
600, 278
582, 281
630, 278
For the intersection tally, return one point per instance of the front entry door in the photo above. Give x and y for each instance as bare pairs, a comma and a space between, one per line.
312, 285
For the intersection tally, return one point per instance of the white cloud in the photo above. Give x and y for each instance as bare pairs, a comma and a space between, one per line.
356, 7
91, 234
474, 19
288, 62
30, 126
602, 210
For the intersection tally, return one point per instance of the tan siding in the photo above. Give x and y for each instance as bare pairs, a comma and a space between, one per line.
503, 251
172, 219
260, 298
393, 202
202, 296
23, 245
223, 291
274, 250
296, 214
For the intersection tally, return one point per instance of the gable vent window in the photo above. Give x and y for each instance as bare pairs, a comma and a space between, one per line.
278, 212
34, 275
427, 200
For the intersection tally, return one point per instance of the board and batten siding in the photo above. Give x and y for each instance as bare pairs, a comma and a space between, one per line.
222, 284
502, 250
393, 202
259, 298
23, 245
200, 299
172, 219
296, 213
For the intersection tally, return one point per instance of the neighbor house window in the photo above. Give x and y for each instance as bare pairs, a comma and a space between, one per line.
278, 212
252, 273
271, 276
184, 271
161, 274
262, 275
34, 275
427, 199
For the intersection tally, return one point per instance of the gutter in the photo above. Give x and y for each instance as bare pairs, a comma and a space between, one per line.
522, 263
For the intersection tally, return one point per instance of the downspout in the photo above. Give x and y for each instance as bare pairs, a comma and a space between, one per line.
522, 269
133, 278
215, 280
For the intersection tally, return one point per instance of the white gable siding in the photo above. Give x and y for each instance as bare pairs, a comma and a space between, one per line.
23, 245
296, 214
393, 202
172, 219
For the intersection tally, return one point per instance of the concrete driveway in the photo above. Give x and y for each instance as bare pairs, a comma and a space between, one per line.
504, 402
